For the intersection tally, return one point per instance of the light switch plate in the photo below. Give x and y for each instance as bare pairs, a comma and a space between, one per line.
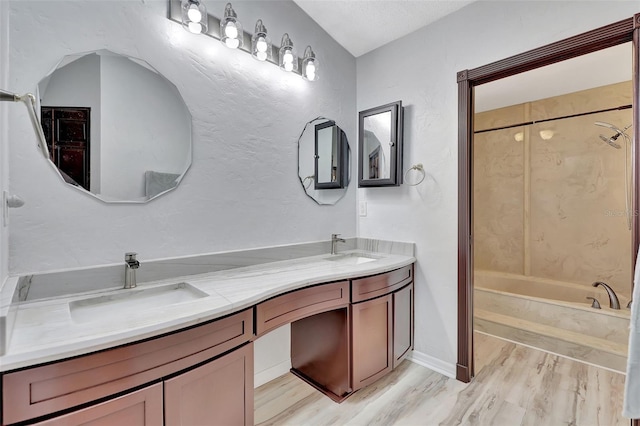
363, 208
5, 209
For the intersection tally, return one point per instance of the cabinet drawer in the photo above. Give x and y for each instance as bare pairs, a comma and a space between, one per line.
300, 304
378, 285
139, 408
53, 387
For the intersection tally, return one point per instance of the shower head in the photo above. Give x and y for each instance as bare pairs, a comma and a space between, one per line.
612, 140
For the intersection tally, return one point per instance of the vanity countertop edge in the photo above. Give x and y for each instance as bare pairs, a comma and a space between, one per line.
45, 332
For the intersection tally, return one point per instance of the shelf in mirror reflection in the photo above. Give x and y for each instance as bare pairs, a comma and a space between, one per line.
114, 126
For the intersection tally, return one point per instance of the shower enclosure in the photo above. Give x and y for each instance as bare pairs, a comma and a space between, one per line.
551, 217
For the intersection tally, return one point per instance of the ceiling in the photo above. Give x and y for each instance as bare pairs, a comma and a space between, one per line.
607, 66
364, 25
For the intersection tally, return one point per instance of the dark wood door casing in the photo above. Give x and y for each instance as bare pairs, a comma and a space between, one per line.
591, 41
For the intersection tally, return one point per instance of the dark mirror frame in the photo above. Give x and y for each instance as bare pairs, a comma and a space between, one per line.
395, 160
342, 161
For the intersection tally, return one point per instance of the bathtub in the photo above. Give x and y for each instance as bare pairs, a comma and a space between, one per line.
551, 315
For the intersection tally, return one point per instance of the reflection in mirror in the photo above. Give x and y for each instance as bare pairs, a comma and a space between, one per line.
115, 127
380, 157
330, 154
323, 160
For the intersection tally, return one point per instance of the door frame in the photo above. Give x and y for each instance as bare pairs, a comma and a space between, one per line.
591, 41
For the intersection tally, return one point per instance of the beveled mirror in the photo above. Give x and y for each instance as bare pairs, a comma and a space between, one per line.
323, 161
380, 146
115, 127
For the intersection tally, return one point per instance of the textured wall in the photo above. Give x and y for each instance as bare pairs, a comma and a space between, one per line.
242, 190
4, 146
548, 208
421, 70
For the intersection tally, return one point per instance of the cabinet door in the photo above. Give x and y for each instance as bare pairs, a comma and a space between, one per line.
217, 393
402, 323
372, 324
139, 408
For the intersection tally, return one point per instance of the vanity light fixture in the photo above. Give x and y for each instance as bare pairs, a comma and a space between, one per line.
230, 28
309, 65
194, 16
260, 43
288, 61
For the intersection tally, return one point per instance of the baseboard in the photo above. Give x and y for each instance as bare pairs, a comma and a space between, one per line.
264, 376
434, 364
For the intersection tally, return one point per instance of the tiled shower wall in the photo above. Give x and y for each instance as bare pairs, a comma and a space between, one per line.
549, 198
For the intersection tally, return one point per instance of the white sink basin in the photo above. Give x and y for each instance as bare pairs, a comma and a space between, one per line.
127, 302
351, 258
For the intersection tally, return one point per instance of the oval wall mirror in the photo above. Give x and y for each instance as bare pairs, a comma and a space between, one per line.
115, 127
324, 161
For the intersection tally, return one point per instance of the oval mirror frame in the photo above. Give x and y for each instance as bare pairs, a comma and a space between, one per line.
86, 158
324, 193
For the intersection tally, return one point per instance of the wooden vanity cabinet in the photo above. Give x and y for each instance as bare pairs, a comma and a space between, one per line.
372, 340
217, 393
381, 324
140, 408
218, 348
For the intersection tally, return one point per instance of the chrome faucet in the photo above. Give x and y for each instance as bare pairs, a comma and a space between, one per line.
614, 303
334, 242
130, 266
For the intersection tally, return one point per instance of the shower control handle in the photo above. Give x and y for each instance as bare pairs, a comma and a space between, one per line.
595, 304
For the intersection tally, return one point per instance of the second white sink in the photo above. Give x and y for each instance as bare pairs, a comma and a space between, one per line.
127, 302
351, 258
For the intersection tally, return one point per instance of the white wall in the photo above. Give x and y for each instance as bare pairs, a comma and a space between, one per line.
4, 146
242, 190
420, 69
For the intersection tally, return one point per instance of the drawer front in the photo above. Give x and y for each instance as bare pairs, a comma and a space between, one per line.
49, 388
139, 408
378, 285
300, 304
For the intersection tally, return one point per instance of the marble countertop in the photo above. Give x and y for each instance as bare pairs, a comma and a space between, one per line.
44, 331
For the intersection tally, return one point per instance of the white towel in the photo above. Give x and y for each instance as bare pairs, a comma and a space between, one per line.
631, 407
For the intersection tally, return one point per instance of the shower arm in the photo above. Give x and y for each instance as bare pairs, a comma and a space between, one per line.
30, 102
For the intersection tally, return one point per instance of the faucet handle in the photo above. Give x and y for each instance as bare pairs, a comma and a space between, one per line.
130, 255
595, 304
334, 236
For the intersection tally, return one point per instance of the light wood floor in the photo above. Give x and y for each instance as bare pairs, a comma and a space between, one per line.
514, 385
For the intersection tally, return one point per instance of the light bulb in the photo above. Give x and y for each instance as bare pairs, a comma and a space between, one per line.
261, 45
287, 58
230, 30
195, 27
311, 67
232, 43
288, 66
261, 56
311, 75
194, 13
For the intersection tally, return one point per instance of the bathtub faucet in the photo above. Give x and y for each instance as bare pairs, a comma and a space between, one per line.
614, 303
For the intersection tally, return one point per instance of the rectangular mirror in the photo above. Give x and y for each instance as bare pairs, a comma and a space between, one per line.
330, 156
380, 146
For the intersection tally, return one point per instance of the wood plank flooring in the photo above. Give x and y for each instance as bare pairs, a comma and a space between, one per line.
514, 385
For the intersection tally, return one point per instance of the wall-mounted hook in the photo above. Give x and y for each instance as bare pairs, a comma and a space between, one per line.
9, 201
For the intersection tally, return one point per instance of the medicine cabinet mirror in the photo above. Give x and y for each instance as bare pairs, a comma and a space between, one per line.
115, 127
380, 146
323, 161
